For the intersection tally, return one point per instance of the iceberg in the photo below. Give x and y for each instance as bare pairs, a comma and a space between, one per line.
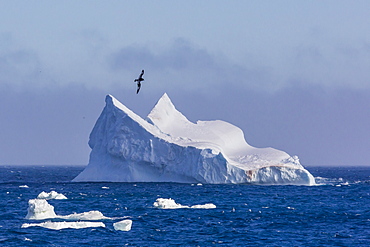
167, 147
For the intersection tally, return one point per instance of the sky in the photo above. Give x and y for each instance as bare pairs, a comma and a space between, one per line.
292, 74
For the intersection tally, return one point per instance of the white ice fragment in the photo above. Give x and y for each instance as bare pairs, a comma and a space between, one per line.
51, 195
164, 203
124, 225
205, 206
167, 204
63, 225
23, 186
91, 215
39, 209
105, 188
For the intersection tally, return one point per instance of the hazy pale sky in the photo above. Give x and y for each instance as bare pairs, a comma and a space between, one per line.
293, 75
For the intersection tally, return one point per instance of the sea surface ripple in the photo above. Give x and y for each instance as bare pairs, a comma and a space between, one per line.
334, 213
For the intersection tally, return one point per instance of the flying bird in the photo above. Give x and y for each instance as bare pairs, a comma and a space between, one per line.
139, 80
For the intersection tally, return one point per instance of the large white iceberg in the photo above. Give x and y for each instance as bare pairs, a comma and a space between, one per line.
167, 147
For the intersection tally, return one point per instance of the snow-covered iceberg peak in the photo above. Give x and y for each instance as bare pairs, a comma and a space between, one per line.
169, 148
165, 116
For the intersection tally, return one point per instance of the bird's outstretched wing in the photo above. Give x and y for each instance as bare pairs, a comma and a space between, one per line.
141, 75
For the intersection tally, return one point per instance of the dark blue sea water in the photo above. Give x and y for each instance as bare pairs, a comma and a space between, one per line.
336, 213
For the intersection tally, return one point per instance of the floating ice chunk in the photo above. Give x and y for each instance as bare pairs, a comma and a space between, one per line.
105, 188
51, 195
124, 225
23, 186
171, 204
167, 204
205, 206
39, 209
63, 225
91, 215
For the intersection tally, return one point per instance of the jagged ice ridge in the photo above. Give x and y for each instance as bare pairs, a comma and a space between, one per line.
167, 147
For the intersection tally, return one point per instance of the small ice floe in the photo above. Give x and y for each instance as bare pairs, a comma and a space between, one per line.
205, 206
105, 188
39, 209
124, 225
199, 184
63, 225
23, 186
91, 215
167, 204
51, 195
164, 203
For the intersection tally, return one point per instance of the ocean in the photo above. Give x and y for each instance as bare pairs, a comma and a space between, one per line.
334, 213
